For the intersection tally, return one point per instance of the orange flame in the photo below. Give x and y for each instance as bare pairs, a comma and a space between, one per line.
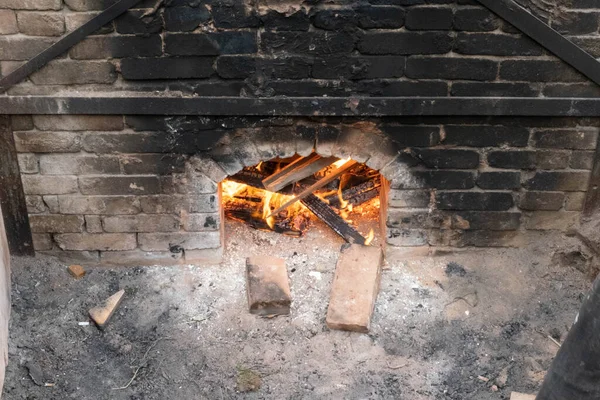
370, 237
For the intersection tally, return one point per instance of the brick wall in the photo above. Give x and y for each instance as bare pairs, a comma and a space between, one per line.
314, 48
131, 189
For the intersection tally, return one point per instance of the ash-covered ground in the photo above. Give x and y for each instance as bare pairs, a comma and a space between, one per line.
442, 320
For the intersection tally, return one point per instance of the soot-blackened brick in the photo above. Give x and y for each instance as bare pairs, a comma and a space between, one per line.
447, 159
391, 88
307, 42
528, 159
167, 68
285, 67
185, 19
230, 42
411, 135
484, 220
333, 20
499, 180
234, 14
429, 18
132, 22
493, 44
562, 181
548, 201
359, 67
577, 23
451, 68
117, 47
539, 71
276, 21
493, 89
484, 201
572, 90
405, 43
582, 159
486, 136
236, 67
476, 20
164, 123
577, 139
438, 180
380, 17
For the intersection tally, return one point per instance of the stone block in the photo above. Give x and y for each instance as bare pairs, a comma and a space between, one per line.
8, 22
47, 142
99, 205
41, 24
28, 164
552, 220
42, 241
35, 204
141, 223
355, 287
52, 203
56, 223
38, 184
31, 4
96, 241
179, 240
93, 224
78, 122
267, 286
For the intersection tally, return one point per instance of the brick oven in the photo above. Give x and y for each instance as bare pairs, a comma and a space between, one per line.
483, 135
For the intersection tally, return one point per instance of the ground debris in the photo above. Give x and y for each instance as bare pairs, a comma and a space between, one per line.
455, 269
248, 380
521, 396
102, 314
77, 271
35, 373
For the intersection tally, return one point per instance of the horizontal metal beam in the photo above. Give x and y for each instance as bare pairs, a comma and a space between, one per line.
304, 106
65, 43
553, 41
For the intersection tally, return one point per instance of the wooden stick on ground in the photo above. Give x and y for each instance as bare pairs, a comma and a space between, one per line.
296, 171
319, 184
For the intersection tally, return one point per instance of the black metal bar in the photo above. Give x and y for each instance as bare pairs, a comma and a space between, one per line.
592, 200
12, 198
303, 106
65, 43
536, 29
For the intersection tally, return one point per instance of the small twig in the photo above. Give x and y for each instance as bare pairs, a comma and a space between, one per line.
142, 364
556, 342
397, 366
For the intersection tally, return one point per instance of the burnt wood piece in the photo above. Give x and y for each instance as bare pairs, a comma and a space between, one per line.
296, 171
358, 194
324, 212
250, 178
333, 175
302, 106
12, 197
65, 43
592, 200
256, 221
550, 39
575, 371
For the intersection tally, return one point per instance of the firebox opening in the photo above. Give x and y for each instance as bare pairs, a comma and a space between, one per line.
290, 195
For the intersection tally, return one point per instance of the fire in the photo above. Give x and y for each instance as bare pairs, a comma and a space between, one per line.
370, 237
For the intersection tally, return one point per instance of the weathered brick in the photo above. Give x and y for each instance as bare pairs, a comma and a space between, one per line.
139, 257
47, 142
335, 19
211, 44
28, 164
527, 159
138, 22
552, 220
447, 159
354, 289
141, 223
412, 219
38, 184
582, 159
41, 24
475, 19
575, 201
478, 238
188, 184
21, 122
93, 224
201, 222
51, 201
185, 19
579, 139
96, 241
208, 167
31, 4
119, 185
499, 180
307, 42
549, 201
8, 22
168, 204
576, 23
234, 14
438, 180
75, 20
406, 237
454, 68
571, 90
493, 44
204, 256
277, 21
267, 286
379, 17
22, 48
405, 43
99, 205
563, 181
154, 164
186, 241
236, 67
53, 164
412, 135
429, 18
101, 47
409, 198
484, 201
167, 68
494, 89
56, 223
484, 220
42, 241
538, 71
78, 122
359, 67
35, 204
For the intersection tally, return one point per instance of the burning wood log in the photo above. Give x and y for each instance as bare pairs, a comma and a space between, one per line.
356, 195
319, 184
255, 220
296, 171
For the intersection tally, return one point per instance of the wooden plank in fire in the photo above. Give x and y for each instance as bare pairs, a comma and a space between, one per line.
333, 220
296, 171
